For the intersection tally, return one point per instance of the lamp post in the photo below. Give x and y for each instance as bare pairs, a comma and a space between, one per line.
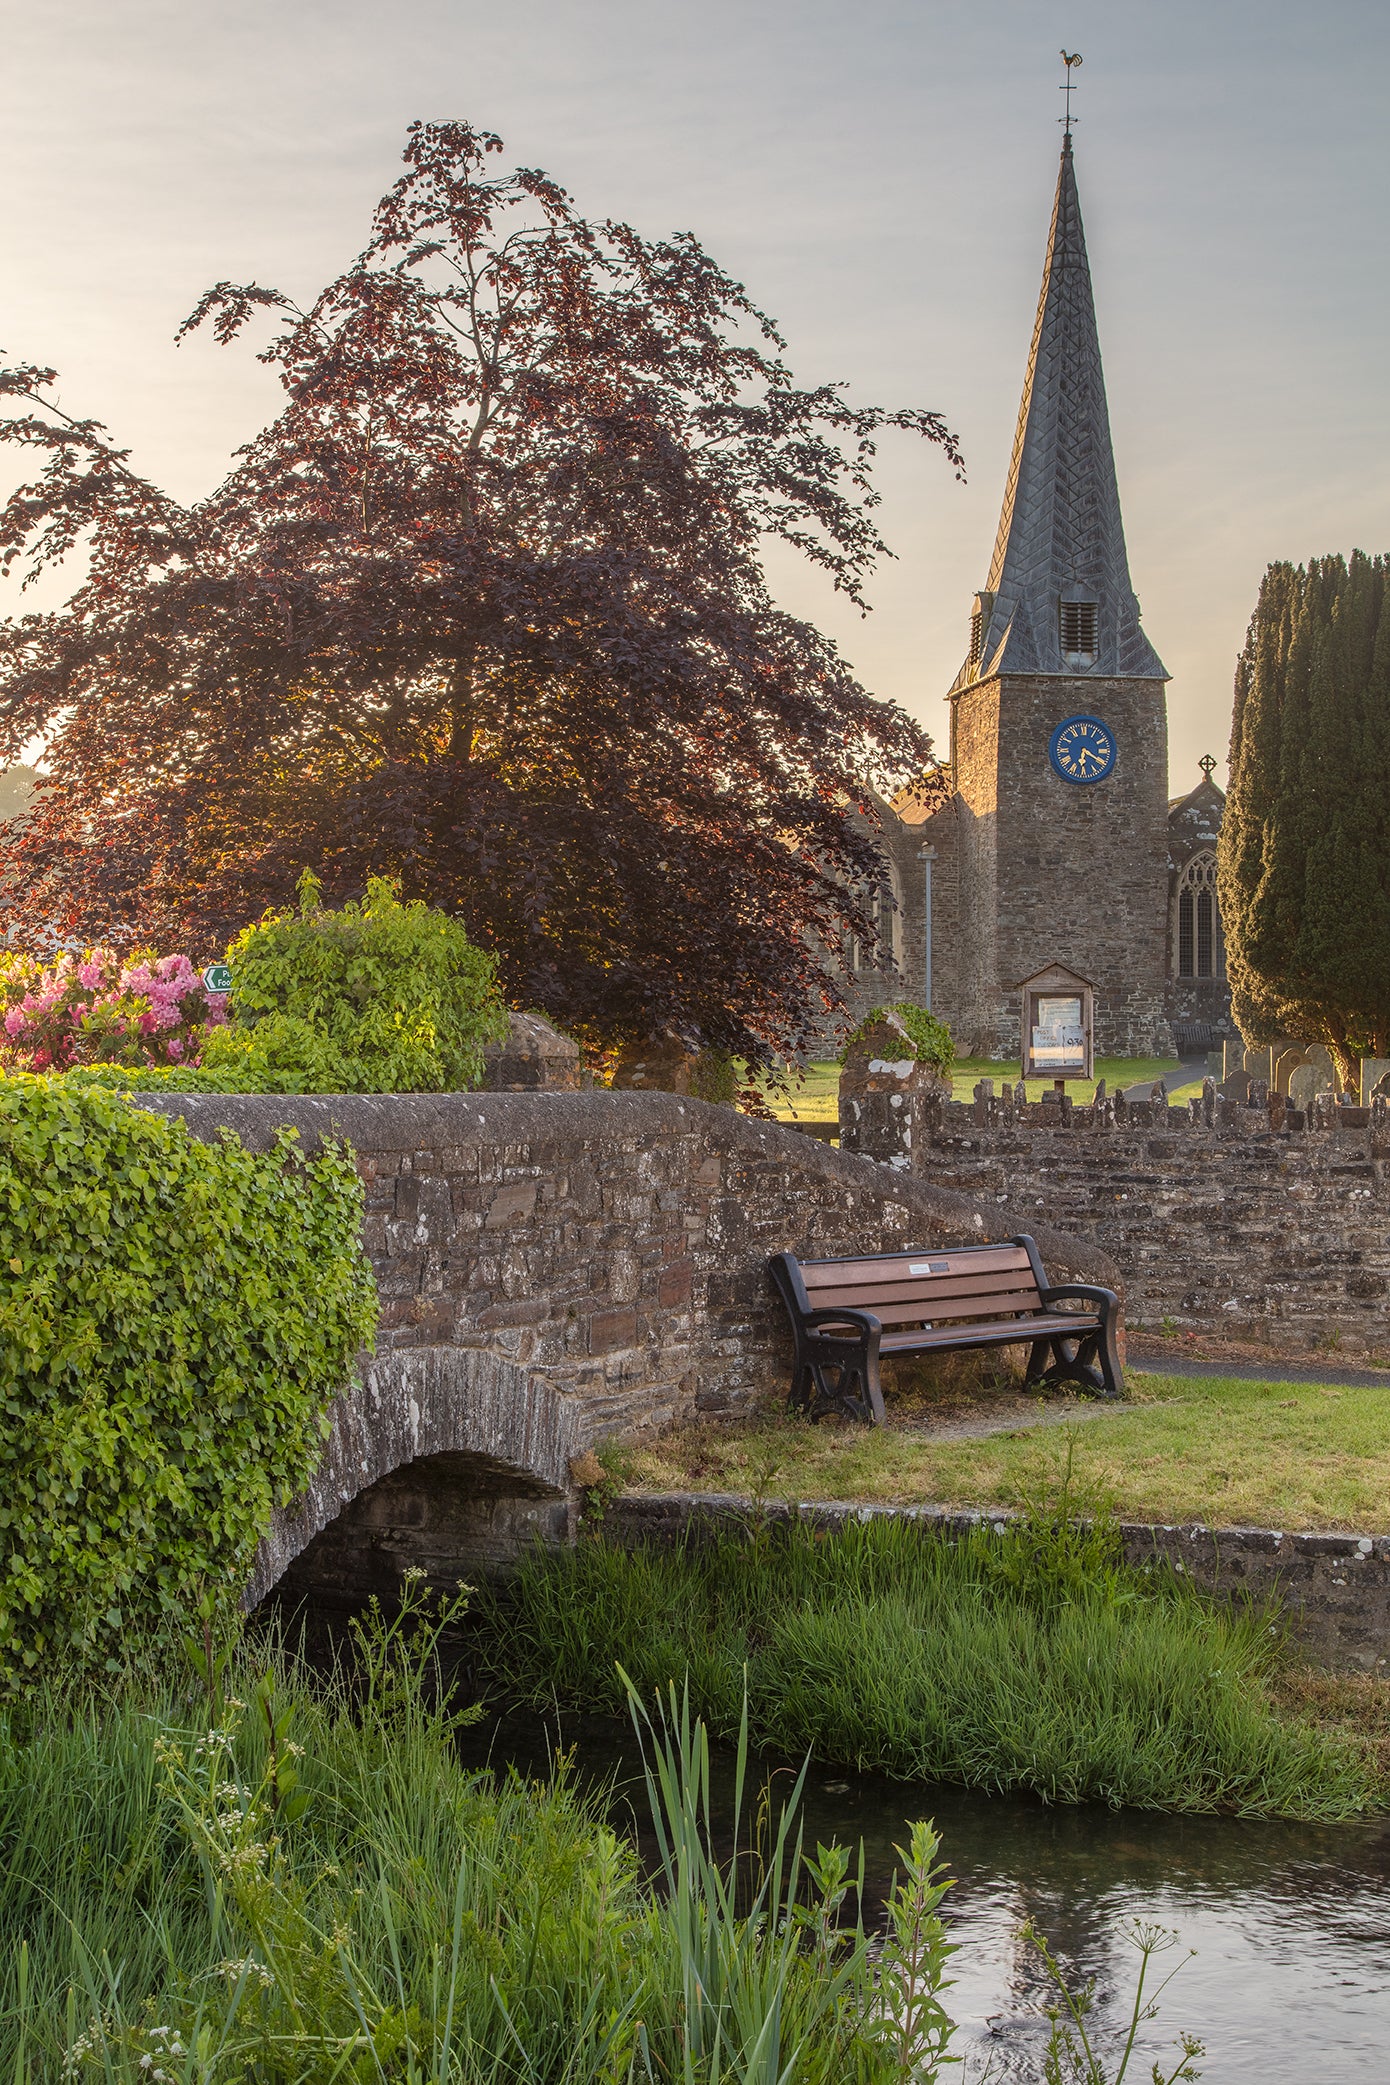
928, 856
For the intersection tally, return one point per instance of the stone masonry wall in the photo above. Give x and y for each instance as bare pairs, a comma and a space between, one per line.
1054, 872
1227, 1227
553, 1267
1083, 870
614, 1243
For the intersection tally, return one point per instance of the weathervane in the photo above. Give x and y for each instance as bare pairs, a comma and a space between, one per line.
1071, 59
1207, 765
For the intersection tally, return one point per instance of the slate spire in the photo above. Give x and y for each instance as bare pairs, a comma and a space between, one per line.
1061, 540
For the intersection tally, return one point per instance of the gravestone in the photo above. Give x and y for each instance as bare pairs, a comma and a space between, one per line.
1287, 1059
1324, 1064
1304, 1086
1375, 1079
661, 1065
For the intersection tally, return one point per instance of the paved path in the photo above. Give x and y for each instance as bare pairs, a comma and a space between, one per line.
1189, 1068
1328, 1372
1034, 1416
1075, 1411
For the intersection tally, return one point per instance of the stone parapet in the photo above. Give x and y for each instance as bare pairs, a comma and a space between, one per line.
614, 1243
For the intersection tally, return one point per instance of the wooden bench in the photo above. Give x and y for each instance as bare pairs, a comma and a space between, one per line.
845, 1314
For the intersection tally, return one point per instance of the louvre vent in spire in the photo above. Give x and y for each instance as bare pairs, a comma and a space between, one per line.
1079, 631
979, 622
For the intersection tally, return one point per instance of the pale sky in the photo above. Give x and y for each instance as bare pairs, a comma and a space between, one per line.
879, 173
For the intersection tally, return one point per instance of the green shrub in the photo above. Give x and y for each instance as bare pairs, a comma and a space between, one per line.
174, 1319
187, 1078
714, 1077
931, 1039
380, 997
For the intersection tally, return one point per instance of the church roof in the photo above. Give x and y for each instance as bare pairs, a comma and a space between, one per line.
1207, 795
1060, 532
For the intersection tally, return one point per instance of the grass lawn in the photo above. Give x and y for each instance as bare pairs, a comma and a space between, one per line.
1283, 1455
816, 1100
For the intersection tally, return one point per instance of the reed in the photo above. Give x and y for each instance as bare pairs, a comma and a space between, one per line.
304, 1886
1031, 1659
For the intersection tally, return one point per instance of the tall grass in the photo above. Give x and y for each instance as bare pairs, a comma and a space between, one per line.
306, 1886
1026, 1660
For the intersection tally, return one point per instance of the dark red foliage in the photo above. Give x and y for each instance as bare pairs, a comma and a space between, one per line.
483, 609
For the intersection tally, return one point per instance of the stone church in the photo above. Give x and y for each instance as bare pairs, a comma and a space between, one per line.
1057, 842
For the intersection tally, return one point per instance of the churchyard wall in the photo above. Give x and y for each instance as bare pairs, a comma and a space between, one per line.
1265, 1223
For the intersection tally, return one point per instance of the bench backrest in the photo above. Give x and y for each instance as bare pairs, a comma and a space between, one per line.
904, 1288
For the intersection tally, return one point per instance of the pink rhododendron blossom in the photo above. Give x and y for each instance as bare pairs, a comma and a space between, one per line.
93, 1009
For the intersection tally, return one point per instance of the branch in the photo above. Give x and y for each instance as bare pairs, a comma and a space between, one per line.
233, 304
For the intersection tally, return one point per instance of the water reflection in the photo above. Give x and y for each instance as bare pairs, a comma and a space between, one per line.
1290, 1980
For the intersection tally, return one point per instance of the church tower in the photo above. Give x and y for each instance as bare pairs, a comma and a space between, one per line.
1059, 734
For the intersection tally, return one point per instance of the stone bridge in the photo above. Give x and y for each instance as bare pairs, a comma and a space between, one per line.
553, 1268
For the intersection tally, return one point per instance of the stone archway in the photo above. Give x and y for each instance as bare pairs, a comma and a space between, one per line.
436, 1454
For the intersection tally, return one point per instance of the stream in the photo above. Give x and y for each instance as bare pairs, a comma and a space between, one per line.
1288, 1982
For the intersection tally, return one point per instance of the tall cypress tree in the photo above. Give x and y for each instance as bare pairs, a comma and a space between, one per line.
1303, 868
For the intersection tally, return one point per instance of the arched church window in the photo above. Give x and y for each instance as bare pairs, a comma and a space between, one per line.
1204, 933
887, 913
880, 955
1199, 920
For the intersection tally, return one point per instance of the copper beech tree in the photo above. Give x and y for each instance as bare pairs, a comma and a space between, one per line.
484, 610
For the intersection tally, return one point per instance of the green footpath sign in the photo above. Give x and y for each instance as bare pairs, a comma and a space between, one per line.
218, 977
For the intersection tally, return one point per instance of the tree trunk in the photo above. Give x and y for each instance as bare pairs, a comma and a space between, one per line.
1348, 1065
461, 704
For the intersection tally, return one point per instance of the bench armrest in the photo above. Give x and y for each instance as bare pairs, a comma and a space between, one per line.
863, 1320
1105, 1300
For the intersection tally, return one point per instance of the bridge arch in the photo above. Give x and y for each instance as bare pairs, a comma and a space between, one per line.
436, 1456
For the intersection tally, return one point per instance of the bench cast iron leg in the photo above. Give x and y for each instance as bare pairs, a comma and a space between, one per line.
856, 1392
1091, 1361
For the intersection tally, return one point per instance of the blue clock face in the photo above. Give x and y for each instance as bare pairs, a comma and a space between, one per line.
1082, 749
